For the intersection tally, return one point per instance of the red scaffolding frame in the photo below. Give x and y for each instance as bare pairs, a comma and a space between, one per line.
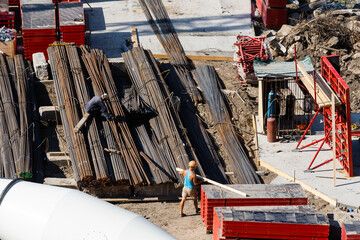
343, 145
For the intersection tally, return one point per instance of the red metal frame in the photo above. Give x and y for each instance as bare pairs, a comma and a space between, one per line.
343, 144
249, 49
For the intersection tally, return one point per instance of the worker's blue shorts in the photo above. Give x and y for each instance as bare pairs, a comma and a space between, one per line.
187, 192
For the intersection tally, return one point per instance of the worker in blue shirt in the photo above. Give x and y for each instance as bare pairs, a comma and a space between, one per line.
96, 105
190, 181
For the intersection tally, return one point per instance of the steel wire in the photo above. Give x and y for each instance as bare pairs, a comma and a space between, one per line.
244, 172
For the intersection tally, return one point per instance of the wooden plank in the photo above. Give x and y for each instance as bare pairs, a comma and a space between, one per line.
197, 57
323, 90
261, 105
134, 37
331, 201
217, 184
81, 123
333, 135
256, 141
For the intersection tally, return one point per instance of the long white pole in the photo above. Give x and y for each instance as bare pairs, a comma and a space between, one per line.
217, 184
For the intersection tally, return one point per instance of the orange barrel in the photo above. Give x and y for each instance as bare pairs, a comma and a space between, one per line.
271, 129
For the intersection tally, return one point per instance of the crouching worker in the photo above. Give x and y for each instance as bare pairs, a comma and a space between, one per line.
190, 181
96, 105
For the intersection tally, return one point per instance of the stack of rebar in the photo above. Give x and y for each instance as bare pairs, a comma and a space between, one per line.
102, 172
99, 71
240, 164
170, 150
16, 131
70, 113
163, 28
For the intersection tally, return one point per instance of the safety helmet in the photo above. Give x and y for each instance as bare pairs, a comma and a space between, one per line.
192, 164
105, 96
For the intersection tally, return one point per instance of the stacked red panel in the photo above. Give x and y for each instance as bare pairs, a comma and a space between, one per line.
276, 3
38, 26
72, 22
258, 195
272, 17
7, 19
14, 2
274, 222
350, 230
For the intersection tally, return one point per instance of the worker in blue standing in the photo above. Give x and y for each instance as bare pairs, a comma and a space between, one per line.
190, 181
96, 105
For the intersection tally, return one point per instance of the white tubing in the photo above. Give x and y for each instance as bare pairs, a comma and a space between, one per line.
39, 212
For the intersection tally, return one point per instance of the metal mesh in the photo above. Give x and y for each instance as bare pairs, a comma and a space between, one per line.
290, 104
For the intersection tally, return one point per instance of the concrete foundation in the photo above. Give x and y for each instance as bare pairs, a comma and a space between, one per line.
120, 191
49, 114
60, 159
281, 159
61, 182
157, 190
41, 66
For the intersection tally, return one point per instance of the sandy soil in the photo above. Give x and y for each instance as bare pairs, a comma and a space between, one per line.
167, 216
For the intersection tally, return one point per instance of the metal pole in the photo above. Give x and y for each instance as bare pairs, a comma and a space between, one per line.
333, 134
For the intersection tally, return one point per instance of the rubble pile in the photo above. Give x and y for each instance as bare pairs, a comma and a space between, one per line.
335, 32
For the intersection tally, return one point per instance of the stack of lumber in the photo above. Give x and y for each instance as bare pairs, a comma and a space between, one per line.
350, 230
280, 222
257, 195
322, 89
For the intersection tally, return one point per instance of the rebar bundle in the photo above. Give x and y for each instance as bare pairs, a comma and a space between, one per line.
150, 86
100, 165
22, 77
16, 120
244, 173
165, 32
199, 137
99, 71
10, 112
70, 113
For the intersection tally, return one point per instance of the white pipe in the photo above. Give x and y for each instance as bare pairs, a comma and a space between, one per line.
39, 212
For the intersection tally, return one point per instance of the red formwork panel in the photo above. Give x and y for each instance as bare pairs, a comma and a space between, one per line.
272, 17
247, 49
7, 19
72, 22
276, 3
258, 195
350, 230
14, 2
280, 222
343, 145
